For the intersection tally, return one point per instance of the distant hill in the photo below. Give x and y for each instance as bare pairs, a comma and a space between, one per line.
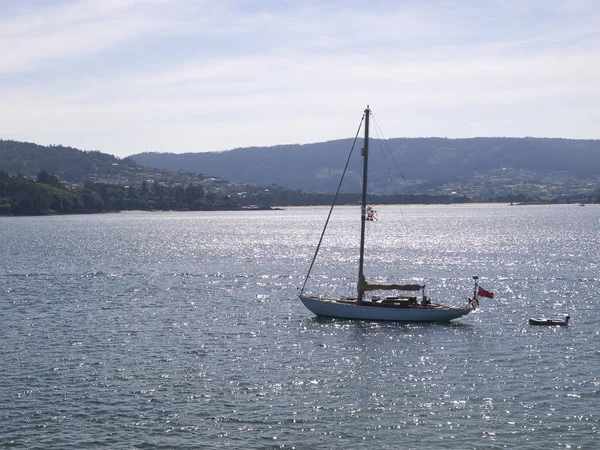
480, 169
69, 164
78, 166
316, 167
36, 179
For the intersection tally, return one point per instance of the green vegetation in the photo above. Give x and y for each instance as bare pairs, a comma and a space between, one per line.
47, 195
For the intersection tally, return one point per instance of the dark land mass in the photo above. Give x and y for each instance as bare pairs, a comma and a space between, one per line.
37, 179
484, 169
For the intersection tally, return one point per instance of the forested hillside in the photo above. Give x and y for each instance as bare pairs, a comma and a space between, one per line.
429, 170
316, 167
47, 195
36, 179
69, 164
78, 166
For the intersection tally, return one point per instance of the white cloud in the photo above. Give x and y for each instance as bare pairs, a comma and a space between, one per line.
75, 30
125, 77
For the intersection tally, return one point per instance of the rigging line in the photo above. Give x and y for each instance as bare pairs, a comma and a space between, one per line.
332, 205
385, 160
417, 206
384, 140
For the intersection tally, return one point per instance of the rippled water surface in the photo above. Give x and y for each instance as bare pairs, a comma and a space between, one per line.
183, 330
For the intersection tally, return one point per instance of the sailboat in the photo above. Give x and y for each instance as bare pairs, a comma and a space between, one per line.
404, 306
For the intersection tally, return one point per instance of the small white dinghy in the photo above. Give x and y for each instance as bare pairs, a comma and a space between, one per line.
563, 320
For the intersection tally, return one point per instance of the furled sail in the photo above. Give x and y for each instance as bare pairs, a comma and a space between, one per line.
364, 285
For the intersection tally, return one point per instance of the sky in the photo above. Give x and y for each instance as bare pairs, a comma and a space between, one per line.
130, 76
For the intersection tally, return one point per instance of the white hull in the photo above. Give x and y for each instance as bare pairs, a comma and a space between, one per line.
330, 307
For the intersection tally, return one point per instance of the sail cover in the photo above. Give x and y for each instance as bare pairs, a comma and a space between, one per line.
364, 285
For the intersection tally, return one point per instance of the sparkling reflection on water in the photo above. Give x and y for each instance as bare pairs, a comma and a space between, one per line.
167, 330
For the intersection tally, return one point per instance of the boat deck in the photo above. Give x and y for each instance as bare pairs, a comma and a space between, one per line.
404, 303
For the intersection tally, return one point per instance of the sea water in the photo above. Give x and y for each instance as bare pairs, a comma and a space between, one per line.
183, 330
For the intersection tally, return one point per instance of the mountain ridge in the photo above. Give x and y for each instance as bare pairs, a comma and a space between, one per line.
316, 167
480, 169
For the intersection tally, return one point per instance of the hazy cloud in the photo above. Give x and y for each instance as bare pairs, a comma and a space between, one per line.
130, 76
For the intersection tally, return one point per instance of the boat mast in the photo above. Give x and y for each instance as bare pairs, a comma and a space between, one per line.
363, 207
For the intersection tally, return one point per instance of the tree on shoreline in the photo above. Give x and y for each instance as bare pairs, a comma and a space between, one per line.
46, 195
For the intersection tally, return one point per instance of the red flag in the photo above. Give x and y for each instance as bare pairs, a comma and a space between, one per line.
483, 293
